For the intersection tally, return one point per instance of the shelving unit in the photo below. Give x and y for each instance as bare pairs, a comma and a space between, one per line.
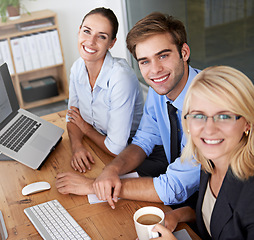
12, 29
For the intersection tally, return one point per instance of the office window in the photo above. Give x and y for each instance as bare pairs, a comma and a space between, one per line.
220, 32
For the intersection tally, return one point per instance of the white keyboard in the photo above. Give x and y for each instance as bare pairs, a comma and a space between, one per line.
52, 221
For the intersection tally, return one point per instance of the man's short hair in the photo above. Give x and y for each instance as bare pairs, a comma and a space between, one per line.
153, 24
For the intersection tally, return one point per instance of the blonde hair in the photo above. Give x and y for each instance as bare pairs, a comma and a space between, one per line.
229, 88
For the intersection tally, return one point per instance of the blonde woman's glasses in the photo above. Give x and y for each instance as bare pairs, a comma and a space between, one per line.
220, 119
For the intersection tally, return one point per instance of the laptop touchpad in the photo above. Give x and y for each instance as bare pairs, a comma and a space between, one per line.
41, 143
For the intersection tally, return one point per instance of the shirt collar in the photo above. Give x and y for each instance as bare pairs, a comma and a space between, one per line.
102, 79
104, 72
178, 103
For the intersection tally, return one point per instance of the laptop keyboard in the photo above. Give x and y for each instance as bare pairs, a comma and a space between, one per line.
53, 221
18, 133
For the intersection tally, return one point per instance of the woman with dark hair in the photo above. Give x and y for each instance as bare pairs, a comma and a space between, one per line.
105, 98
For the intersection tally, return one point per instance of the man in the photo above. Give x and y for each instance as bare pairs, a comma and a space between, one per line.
159, 44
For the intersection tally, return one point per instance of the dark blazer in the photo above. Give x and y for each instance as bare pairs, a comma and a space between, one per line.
233, 213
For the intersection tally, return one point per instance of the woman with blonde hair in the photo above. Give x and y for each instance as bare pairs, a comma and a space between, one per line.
218, 121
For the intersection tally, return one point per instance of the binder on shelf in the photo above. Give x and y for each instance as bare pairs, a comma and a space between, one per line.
36, 30
1, 58
17, 55
31, 39
49, 48
41, 48
56, 46
6, 55
26, 53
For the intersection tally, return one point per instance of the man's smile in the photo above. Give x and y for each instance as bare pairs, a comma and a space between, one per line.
159, 80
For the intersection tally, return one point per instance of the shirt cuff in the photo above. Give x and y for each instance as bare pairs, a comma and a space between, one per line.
112, 147
169, 195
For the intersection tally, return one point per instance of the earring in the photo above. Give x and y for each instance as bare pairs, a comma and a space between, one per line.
247, 133
188, 131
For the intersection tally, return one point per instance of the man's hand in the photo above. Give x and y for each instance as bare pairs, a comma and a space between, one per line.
81, 159
107, 182
76, 118
67, 183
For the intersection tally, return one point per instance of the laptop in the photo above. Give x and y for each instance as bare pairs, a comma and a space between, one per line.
3, 230
24, 136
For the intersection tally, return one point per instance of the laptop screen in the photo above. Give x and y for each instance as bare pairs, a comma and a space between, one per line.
5, 105
8, 100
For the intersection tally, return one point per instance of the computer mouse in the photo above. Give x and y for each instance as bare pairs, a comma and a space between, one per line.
35, 187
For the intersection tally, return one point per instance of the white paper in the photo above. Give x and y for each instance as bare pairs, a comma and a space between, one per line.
92, 198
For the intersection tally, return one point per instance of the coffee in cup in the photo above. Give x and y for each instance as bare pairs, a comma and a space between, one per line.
145, 219
149, 219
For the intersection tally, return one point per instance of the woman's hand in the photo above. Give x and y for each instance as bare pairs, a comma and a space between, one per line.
166, 234
81, 159
183, 214
171, 220
76, 118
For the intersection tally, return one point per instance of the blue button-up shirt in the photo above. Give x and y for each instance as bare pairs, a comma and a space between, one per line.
181, 180
114, 106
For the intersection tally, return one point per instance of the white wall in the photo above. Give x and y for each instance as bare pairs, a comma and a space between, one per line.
70, 14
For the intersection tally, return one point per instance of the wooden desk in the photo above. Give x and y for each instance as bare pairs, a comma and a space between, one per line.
98, 220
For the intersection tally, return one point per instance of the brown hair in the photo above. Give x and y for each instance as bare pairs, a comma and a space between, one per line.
107, 13
156, 23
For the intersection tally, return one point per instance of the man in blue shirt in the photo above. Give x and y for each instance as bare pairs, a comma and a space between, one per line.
159, 44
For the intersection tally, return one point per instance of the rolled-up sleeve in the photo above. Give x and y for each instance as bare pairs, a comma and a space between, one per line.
148, 133
179, 182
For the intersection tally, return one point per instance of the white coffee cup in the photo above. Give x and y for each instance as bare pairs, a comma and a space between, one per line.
144, 231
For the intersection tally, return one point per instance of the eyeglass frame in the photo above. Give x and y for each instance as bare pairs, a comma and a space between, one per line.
236, 117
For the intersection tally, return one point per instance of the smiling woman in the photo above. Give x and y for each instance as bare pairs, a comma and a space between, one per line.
94, 39
218, 120
229, 95
105, 98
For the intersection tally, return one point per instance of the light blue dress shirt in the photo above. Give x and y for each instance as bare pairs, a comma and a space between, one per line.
181, 180
114, 106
